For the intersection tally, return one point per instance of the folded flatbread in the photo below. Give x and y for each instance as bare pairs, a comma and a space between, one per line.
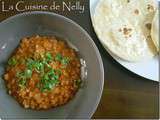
155, 30
124, 27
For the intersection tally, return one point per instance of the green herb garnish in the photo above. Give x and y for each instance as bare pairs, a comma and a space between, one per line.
58, 57
28, 73
49, 80
12, 61
22, 83
49, 76
23, 76
48, 57
39, 66
65, 61
58, 71
30, 63
20, 75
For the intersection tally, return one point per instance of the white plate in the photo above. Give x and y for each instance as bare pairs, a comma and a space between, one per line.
148, 69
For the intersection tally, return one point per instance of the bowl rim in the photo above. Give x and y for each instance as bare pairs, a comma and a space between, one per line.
85, 33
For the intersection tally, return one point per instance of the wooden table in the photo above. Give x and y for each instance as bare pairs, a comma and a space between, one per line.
125, 94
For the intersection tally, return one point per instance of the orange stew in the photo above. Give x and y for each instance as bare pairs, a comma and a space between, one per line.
43, 72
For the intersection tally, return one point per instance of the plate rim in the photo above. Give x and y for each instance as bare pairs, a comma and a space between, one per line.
117, 59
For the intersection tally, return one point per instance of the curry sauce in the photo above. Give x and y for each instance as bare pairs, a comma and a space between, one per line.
43, 72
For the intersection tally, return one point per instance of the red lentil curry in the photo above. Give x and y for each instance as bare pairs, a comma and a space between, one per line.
43, 73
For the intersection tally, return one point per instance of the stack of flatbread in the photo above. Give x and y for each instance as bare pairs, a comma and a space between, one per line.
128, 28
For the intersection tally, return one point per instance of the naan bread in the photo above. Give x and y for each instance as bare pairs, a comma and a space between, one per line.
124, 27
155, 30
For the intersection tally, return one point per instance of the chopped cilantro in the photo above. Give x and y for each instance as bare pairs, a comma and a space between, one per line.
49, 80
12, 61
58, 71
39, 66
20, 75
28, 73
49, 76
22, 83
48, 57
51, 72
65, 61
30, 63
58, 57
45, 78
23, 76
